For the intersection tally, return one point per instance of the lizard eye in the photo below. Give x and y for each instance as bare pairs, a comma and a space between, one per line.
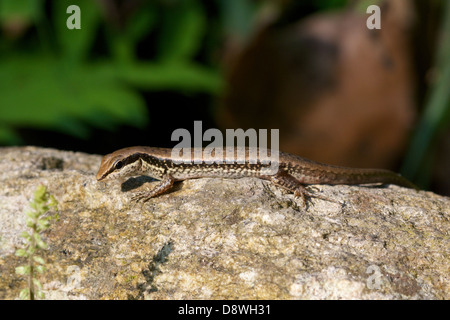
118, 165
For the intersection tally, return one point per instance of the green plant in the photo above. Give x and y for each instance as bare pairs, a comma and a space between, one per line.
70, 81
37, 221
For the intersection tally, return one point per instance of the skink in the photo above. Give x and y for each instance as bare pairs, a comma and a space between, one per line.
293, 172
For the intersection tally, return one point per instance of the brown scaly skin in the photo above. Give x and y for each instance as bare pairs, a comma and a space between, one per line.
293, 172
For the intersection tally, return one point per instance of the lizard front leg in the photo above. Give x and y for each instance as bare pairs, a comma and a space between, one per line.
165, 184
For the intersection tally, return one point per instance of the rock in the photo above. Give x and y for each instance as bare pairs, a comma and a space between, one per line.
221, 238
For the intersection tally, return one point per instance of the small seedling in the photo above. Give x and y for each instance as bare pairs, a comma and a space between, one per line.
37, 221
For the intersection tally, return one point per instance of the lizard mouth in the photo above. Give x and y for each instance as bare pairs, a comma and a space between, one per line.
101, 177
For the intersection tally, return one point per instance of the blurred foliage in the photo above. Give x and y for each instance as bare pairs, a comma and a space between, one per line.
54, 78
436, 115
69, 81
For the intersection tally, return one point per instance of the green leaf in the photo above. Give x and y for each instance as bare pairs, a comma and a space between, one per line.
21, 253
31, 250
25, 235
37, 283
37, 237
40, 269
44, 208
53, 202
23, 270
188, 77
39, 242
41, 245
183, 29
43, 225
30, 223
24, 294
40, 294
40, 194
39, 259
31, 214
141, 23
57, 95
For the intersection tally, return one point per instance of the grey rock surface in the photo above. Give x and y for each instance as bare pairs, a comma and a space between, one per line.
221, 238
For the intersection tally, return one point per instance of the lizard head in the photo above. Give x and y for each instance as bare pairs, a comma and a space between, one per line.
119, 164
